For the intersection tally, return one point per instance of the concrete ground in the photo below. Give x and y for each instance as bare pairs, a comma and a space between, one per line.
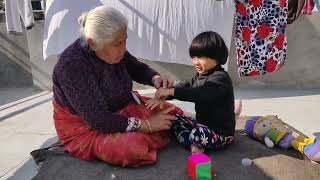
26, 120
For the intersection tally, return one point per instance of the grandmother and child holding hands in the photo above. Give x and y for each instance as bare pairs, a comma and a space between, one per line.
98, 116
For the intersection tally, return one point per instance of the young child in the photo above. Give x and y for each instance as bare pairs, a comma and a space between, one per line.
212, 92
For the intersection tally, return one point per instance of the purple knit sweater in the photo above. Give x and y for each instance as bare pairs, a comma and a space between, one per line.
95, 90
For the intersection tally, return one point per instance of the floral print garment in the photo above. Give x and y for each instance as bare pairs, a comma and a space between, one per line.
261, 41
188, 131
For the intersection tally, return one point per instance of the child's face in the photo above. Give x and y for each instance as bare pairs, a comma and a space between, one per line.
203, 64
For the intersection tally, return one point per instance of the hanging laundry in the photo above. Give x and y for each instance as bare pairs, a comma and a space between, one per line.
158, 30
14, 9
308, 7
317, 4
294, 9
261, 40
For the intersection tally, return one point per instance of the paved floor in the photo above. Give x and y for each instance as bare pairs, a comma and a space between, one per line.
26, 120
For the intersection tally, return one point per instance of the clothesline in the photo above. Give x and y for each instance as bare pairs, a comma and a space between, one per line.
157, 30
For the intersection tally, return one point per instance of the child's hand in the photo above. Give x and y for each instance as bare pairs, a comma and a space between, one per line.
163, 93
161, 81
152, 103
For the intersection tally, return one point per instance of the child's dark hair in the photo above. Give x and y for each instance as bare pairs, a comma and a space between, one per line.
211, 45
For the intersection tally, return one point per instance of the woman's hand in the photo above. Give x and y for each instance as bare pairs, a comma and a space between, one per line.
153, 103
161, 81
158, 122
163, 93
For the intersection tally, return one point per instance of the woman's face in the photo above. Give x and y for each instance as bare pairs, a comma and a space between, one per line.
113, 52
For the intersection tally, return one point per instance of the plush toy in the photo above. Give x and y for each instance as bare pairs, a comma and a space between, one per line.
273, 132
310, 146
199, 166
270, 130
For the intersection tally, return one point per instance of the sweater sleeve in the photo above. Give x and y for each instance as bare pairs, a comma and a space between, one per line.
82, 91
211, 89
180, 84
139, 71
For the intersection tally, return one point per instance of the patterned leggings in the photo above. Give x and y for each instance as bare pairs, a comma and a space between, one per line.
189, 131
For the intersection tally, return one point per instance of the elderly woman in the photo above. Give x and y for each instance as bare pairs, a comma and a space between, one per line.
96, 113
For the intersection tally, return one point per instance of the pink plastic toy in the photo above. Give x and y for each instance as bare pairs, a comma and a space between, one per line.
199, 166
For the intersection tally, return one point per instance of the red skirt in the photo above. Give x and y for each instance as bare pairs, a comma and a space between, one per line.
126, 149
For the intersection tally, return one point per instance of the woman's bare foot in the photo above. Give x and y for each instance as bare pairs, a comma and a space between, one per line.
237, 108
195, 149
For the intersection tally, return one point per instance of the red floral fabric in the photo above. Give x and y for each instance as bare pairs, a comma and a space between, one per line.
261, 41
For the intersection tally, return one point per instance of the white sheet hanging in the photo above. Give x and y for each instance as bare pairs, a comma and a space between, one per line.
159, 30
14, 9
317, 5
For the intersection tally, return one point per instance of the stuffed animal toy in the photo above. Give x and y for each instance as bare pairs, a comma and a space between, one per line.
309, 146
273, 132
270, 130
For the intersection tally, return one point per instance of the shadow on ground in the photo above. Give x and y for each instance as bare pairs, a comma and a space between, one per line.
9, 95
272, 93
316, 133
